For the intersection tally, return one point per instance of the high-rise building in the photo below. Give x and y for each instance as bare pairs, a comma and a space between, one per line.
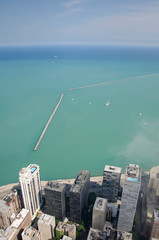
155, 225
46, 226
29, 179
79, 195
111, 183
129, 198
55, 199
99, 213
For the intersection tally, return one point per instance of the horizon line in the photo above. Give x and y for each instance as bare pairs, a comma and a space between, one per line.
80, 44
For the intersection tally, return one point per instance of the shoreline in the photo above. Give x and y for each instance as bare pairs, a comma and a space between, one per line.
98, 179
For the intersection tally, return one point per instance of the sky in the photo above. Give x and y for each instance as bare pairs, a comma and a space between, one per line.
35, 22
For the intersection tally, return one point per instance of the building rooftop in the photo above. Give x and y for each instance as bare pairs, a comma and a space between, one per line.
9, 233
30, 232
107, 229
133, 173
156, 215
20, 218
4, 208
124, 235
66, 238
28, 171
112, 169
55, 186
95, 235
46, 219
79, 181
10, 196
100, 203
66, 226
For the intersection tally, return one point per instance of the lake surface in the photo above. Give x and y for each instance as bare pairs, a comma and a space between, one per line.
84, 133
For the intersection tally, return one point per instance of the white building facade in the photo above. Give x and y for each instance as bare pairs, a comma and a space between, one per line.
99, 213
29, 179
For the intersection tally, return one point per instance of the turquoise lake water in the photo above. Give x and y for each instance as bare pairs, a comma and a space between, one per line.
84, 133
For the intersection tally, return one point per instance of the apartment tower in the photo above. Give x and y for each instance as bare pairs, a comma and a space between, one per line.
29, 179
129, 198
55, 199
79, 195
111, 183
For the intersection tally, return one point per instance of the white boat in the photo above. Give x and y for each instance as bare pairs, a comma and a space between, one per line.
107, 104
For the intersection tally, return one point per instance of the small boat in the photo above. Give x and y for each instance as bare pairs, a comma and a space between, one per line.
107, 104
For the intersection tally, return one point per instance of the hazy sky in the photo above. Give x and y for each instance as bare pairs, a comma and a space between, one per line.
79, 21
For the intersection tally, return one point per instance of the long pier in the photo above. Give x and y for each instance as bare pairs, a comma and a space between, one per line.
41, 137
110, 82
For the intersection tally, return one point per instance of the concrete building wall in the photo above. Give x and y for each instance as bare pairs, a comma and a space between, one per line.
46, 226
155, 225
5, 214
12, 200
99, 213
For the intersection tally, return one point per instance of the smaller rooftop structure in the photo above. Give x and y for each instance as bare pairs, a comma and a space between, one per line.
112, 169
9, 233
121, 235
107, 229
81, 178
66, 238
55, 186
20, 218
156, 215
46, 219
67, 229
113, 208
94, 234
100, 203
30, 232
133, 173
67, 226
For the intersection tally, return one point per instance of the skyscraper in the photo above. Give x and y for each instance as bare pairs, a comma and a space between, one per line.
129, 198
29, 179
111, 183
55, 199
78, 195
